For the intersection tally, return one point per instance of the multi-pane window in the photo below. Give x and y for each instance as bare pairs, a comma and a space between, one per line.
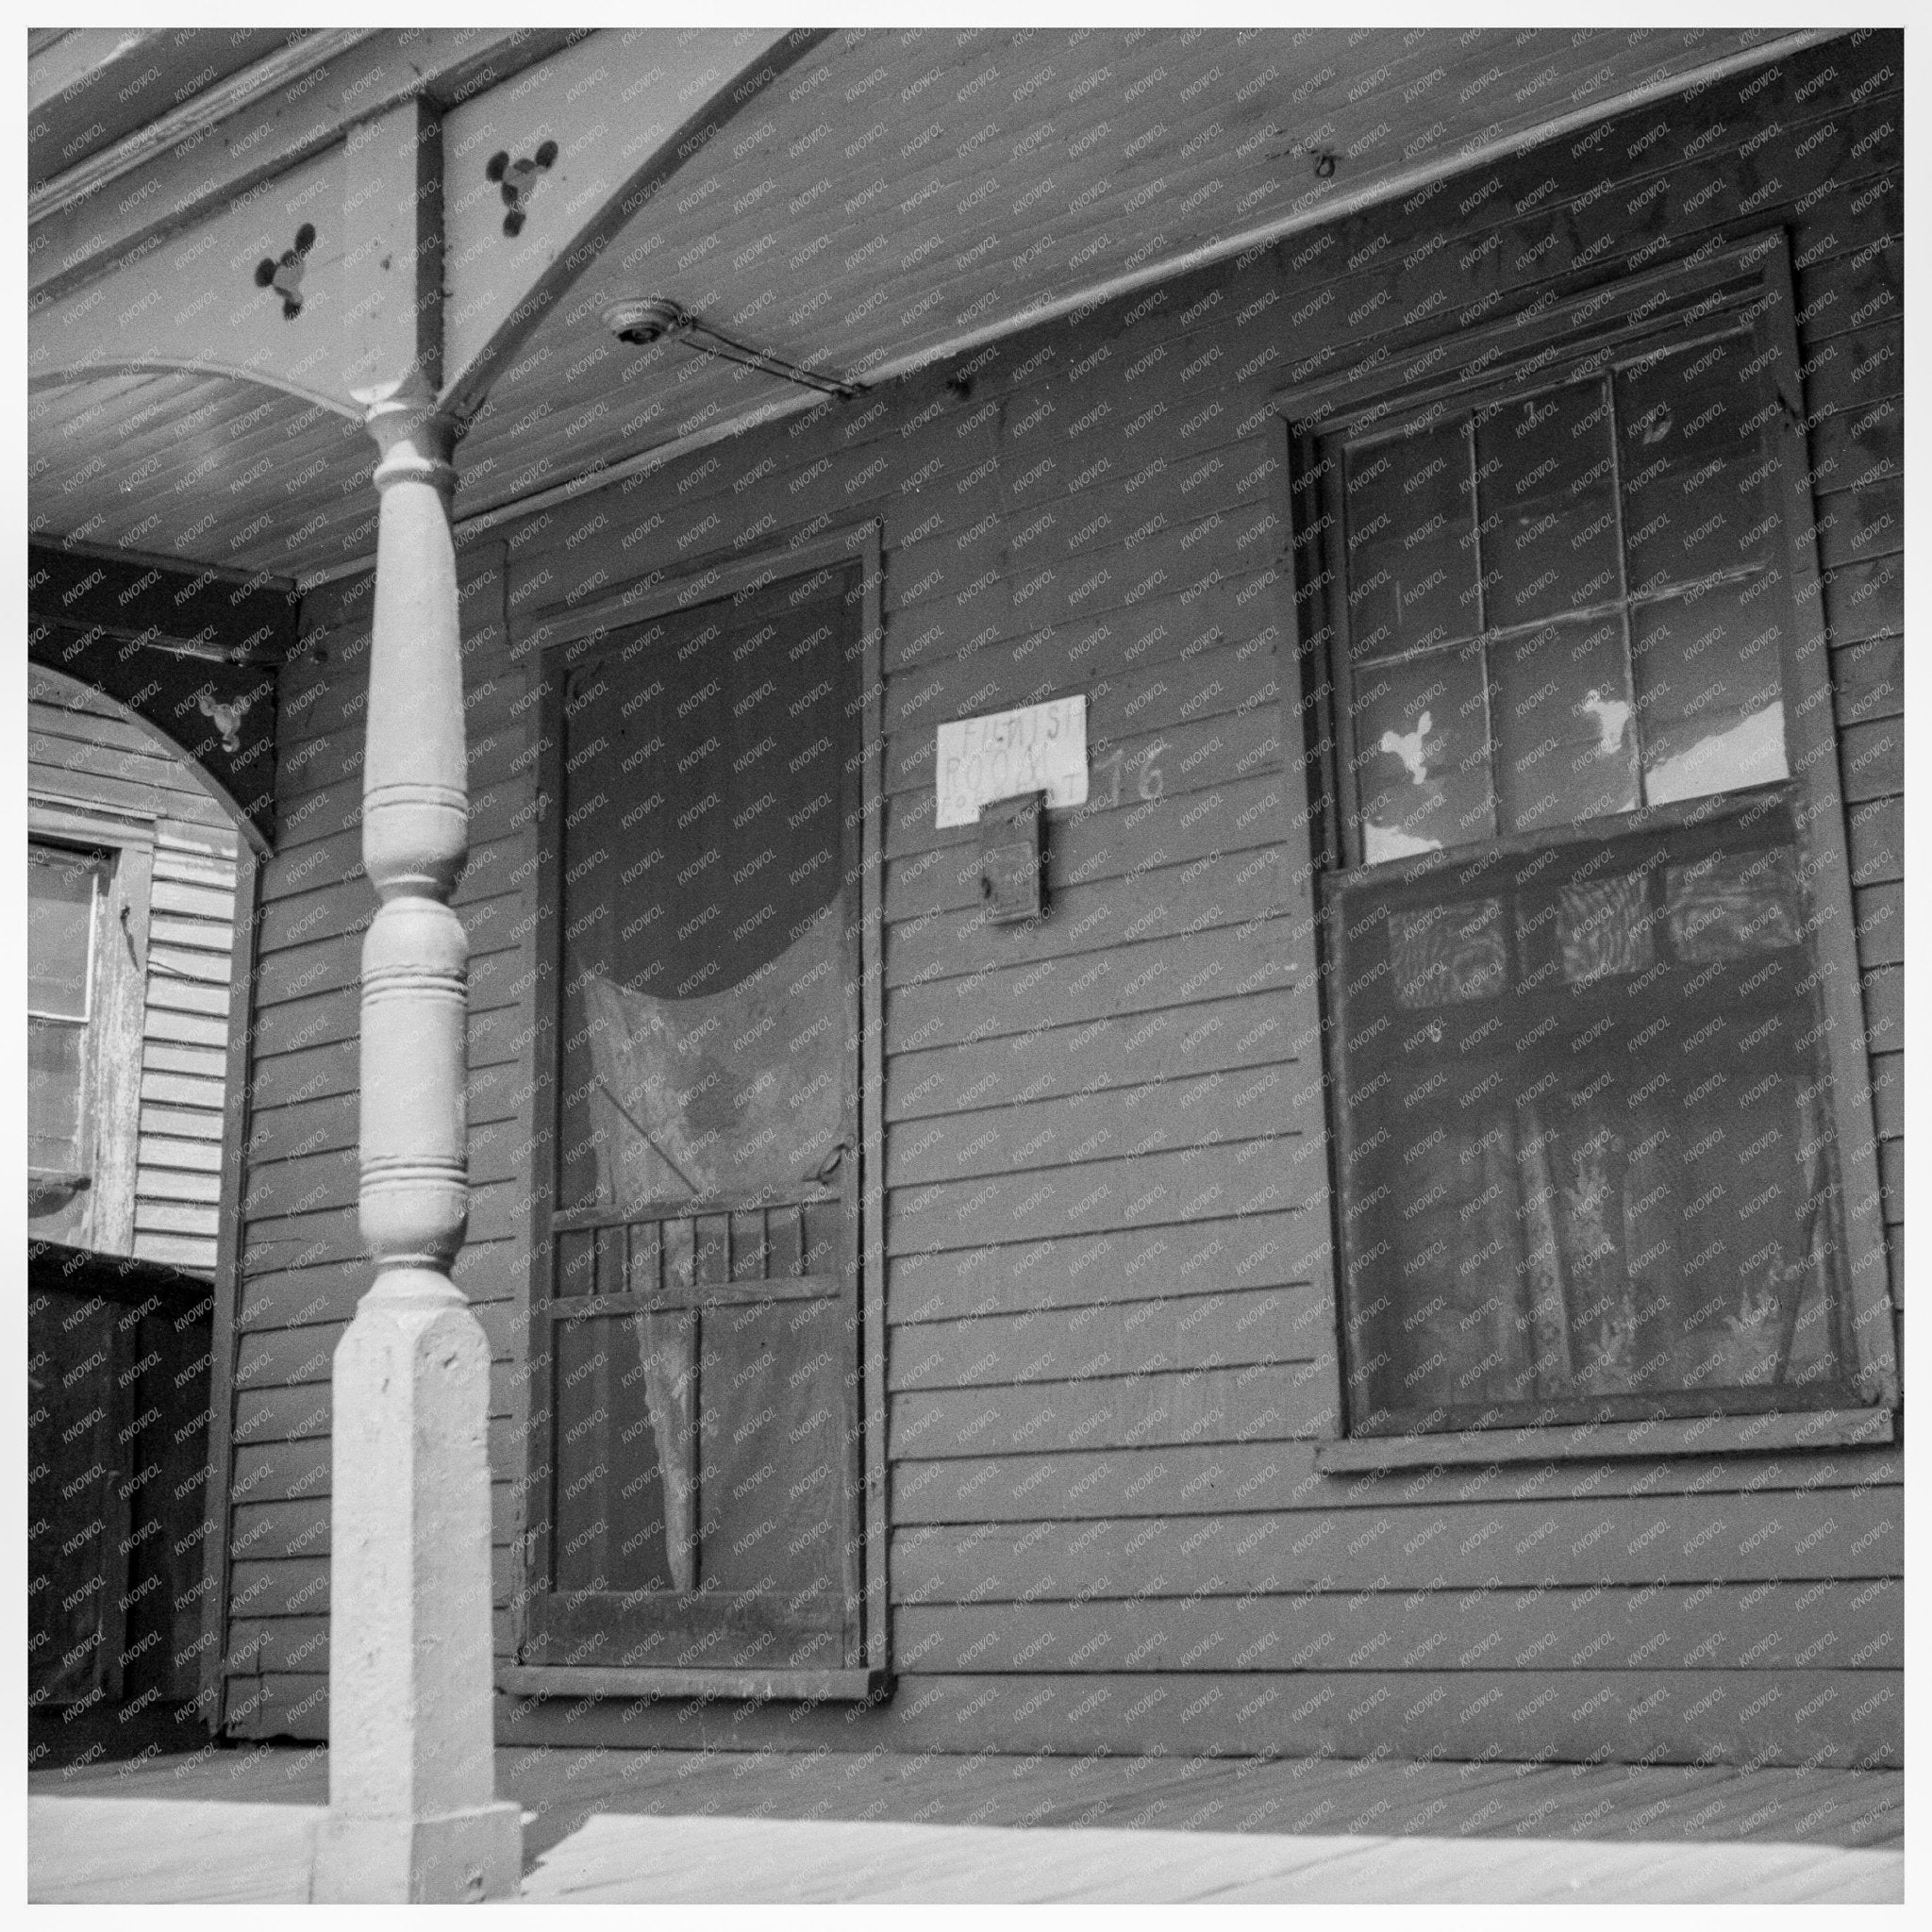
1559, 602
1581, 1099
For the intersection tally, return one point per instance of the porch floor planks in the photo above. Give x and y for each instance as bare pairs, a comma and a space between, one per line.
1436, 1871
1352, 1797
1575, 1802
1771, 1805
783, 1825
144, 1850
1156, 1800
1394, 1798
554, 1810
1711, 1802
1052, 1793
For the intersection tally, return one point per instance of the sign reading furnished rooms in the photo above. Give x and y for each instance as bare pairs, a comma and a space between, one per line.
1035, 748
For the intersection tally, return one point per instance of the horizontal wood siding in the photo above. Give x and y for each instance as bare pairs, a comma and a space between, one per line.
177, 1197
84, 754
83, 749
1110, 1313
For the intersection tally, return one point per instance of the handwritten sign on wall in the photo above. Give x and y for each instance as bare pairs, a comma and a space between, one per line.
1035, 748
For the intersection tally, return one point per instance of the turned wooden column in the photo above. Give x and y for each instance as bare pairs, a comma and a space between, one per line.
412, 1811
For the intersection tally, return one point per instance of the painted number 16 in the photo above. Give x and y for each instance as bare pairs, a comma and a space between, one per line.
1151, 782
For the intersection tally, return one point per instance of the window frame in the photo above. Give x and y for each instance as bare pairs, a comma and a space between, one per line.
554, 631
112, 1055
1563, 328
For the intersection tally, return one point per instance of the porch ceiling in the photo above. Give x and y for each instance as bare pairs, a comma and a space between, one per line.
898, 198
200, 468
904, 193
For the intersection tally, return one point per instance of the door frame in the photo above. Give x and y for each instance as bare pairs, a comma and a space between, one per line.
552, 629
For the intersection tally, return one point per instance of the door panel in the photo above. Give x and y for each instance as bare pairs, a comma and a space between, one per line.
693, 1478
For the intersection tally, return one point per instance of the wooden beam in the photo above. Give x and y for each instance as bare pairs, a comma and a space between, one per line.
389, 279
80, 59
252, 129
221, 611
96, 90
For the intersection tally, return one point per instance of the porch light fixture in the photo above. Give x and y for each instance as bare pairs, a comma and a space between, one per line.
641, 320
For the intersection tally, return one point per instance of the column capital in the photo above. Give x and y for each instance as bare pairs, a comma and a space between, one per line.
417, 441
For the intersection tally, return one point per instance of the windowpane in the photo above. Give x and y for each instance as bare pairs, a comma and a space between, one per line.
1422, 756
1602, 929
1684, 1219
1563, 724
61, 888
1447, 953
52, 1094
1411, 569
1439, 1217
1549, 518
1696, 426
1725, 906
1710, 678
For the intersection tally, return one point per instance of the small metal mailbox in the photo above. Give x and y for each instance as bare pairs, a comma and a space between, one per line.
1012, 858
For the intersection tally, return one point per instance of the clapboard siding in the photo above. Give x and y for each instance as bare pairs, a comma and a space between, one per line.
1078, 988
1106, 1267
1214, 1035
1681, 1539
1004, 1486
1211, 1330
1026, 1136
1258, 1250
1647, 1716
1735, 1627
280, 1469
83, 754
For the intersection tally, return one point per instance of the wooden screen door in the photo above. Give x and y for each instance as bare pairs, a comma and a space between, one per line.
694, 1444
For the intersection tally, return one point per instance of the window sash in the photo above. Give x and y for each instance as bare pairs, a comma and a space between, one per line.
1526, 1044
1479, 743
61, 1036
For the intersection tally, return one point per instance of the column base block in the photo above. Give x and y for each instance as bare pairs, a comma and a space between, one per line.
460, 1858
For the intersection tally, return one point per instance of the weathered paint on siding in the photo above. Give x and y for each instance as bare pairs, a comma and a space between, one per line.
84, 752
1108, 1277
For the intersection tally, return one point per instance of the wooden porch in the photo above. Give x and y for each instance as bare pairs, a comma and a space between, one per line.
235, 1826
